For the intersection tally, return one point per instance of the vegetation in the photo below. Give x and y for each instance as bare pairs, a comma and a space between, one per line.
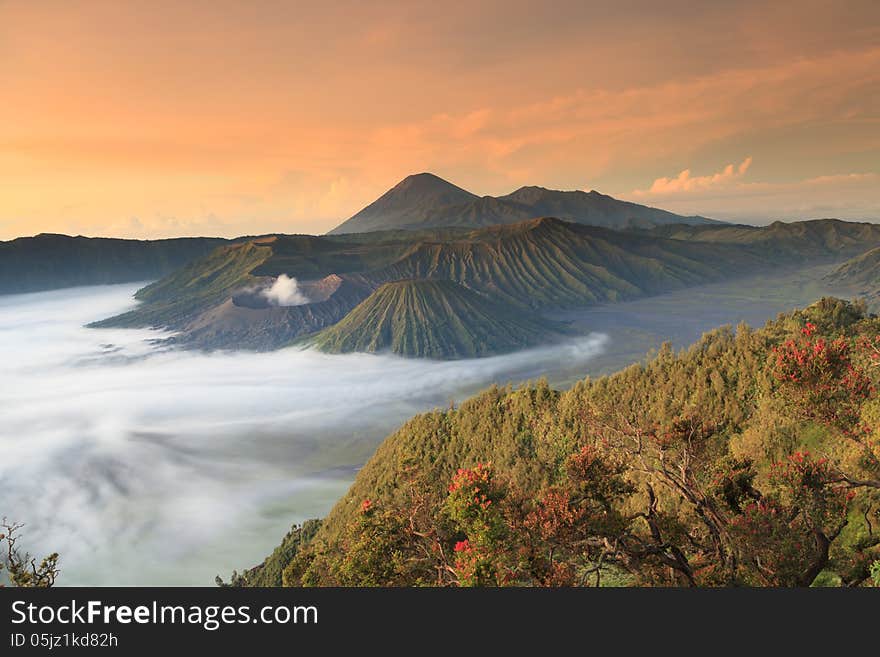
19, 567
433, 319
752, 458
269, 573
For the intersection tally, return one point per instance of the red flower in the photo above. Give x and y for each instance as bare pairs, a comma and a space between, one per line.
463, 546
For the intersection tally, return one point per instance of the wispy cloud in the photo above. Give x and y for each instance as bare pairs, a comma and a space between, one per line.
159, 124
727, 194
684, 182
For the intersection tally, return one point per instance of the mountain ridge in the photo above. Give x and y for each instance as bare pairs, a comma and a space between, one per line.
433, 319
533, 266
52, 260
861, 274
427, 201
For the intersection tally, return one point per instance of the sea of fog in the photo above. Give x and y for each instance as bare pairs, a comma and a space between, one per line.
147, 466
142, 465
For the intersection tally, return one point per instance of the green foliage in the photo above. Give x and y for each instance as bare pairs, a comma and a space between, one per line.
698, 468
20, 568
269, 573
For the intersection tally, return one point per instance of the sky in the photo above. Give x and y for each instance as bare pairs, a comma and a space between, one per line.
186, 117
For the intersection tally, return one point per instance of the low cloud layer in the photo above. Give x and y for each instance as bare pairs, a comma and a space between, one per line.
285, 292
147, 466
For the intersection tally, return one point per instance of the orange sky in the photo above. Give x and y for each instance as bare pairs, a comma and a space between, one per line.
226, 118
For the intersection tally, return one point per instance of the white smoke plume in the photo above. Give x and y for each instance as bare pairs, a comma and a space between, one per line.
285, 292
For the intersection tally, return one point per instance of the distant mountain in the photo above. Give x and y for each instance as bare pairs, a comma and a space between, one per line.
862, 275
785, 242
596, 209
433, 319
426, 201
222, 300
408, 202
49, 261
549, 263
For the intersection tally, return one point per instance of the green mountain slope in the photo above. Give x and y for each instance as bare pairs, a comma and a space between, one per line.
861, 274
219, 301
432, 319
674, 471
543, 263
426, 201
46, 262
180, 299
174, 300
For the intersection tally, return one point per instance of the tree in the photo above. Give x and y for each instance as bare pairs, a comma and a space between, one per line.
20, 567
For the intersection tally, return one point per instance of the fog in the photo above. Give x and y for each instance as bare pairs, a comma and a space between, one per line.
147, 466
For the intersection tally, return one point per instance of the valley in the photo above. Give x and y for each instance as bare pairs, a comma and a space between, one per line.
257, 441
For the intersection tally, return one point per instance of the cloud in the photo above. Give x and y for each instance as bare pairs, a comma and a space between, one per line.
725, 195
137, 464
684, 182
162, 130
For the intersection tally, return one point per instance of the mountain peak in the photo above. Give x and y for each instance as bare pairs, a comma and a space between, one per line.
406, 203
424, 200
425, 179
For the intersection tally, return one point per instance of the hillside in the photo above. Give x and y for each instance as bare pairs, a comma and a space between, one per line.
787, 242
860, 274
548, 263
727, 464
46, 262
426, 201
432, 319
223, 288
220, 301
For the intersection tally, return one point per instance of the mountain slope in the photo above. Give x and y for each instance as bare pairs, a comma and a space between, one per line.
861, 274
181, 298
543, 263
426, 201
595, 209
175, 299
535, 441
220, 301
432, 319
785, 242
406, 203
48, 261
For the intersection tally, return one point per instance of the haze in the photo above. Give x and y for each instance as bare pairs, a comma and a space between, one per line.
226, 118
144, 466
